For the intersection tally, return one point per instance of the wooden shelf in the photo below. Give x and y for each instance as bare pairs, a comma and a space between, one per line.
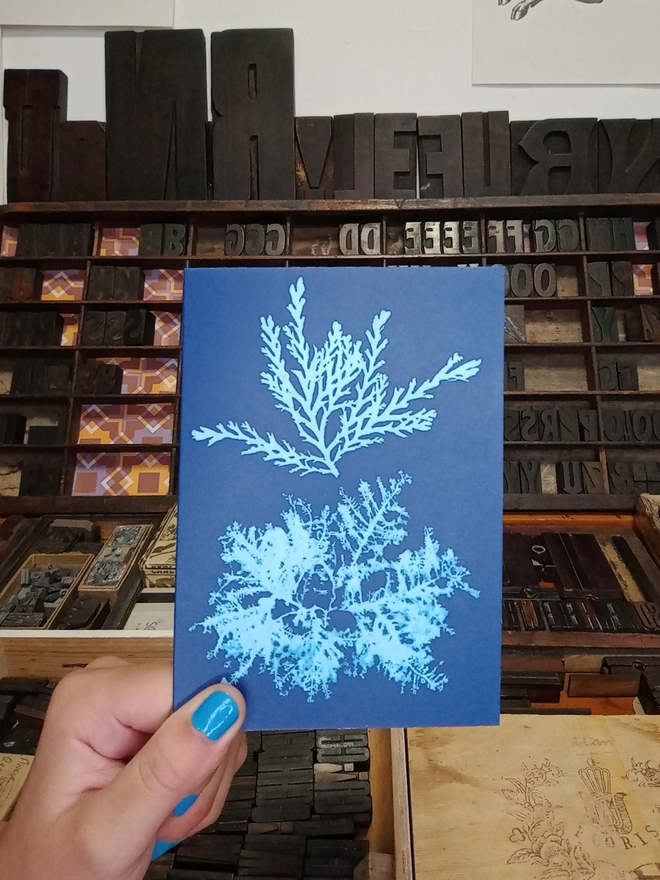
76, 504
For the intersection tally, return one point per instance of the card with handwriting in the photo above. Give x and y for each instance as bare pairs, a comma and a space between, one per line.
340, 494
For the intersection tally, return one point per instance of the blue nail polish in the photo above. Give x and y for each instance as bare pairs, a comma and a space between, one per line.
184, 805
216, 715
162, 846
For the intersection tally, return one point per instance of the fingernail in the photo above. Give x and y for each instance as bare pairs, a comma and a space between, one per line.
216, 715
184, 805
162, 846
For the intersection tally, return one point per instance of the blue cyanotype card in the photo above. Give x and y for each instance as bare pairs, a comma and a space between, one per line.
340, 494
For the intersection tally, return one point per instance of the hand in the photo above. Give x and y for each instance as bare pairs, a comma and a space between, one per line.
115, 770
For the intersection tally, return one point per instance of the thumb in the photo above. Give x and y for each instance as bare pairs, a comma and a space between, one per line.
177, 761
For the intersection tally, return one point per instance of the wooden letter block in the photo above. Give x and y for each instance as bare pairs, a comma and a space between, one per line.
549, 426
511, 424
512, 477
470, 237
139, 327
314, 158
128, 284
255, 239
514, 242
17, 332
100, 282
650, 322
598, 279
349, 239
642, 425
6, 283
35, 105
529, 425
235, 239
545, 280
440, 157
451, 238
151, 239
599, 234
93, 328
370, 239
108, 379
568, 235
395, 155
530, 477
412, 238
81, 172
621, 478
569, 478
634, 325
26, 285
627, 374
46, 329
592, 478
354, 156
608, 379
432, 238
554, 157
514, 374
486, 154
155, 88
521, 280
545, 236
174, 240
622, 279
495, 237
569, 426
514, 324
629, 155
623, 234
114, 328
604, 324
614, 425
275, 243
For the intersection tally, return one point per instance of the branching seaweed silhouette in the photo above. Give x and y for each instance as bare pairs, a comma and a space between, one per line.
322, 595
339, 380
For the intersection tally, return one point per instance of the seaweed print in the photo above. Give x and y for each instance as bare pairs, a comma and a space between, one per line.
325, 594
539, 830
335, 395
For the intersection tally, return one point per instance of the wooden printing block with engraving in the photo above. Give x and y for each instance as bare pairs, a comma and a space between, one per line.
157, 565
554, 157
85, 612
115, 559
284, 810
325, 827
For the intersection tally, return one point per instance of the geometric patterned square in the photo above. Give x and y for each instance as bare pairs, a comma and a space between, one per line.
119, 241
63, 284
643, 280
641, 237
9, 241
139, 424
70, 329
168, 329
126, 473
163, 285
147, 375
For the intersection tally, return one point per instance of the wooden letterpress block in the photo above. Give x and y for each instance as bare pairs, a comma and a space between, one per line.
514, 376
39, 379
314, 158
275, 240
621, 477
3, 328
554, 157
139, 327
6, 283
568, 235
608, 379
108, 379
86, 378
395, 155
81, 171
470, 237
521, 280
614, 425
252, 100
440, 157
650, 315
549, 425
514, 324
13, 429
598, 279
128, 284
156, 114
627, 375
511, 424
545, 280
58, 379
592, 478
151, 240
569, 478
451, 238
642, 425
370, 239
623, 234
653, 477
486, 154
100, 282
28, 243
569, 426
30, 480
639, 477
43, 435
545, 236
529, 425
653, 234
599, 234
93, 328
255, 239
50, 479
26, 286
629, 155
35, 104
412, 238
17, 333
77, 239
21, 378
354, 156
115, 323
174, 239
495, 237
604, 324
530, 477
349, 239
622, 278
514, 240
46, 329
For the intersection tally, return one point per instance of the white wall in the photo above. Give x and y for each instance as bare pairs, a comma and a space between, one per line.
351, 55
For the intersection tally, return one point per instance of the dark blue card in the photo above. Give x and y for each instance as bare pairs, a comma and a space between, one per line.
340, 494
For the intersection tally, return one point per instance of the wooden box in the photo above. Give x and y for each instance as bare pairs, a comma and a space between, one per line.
115, 561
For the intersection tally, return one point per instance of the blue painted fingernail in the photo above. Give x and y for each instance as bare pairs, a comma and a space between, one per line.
162, 846
184, 805
216, 715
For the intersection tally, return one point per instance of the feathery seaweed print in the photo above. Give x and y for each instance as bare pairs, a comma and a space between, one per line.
335, 395
326, 595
